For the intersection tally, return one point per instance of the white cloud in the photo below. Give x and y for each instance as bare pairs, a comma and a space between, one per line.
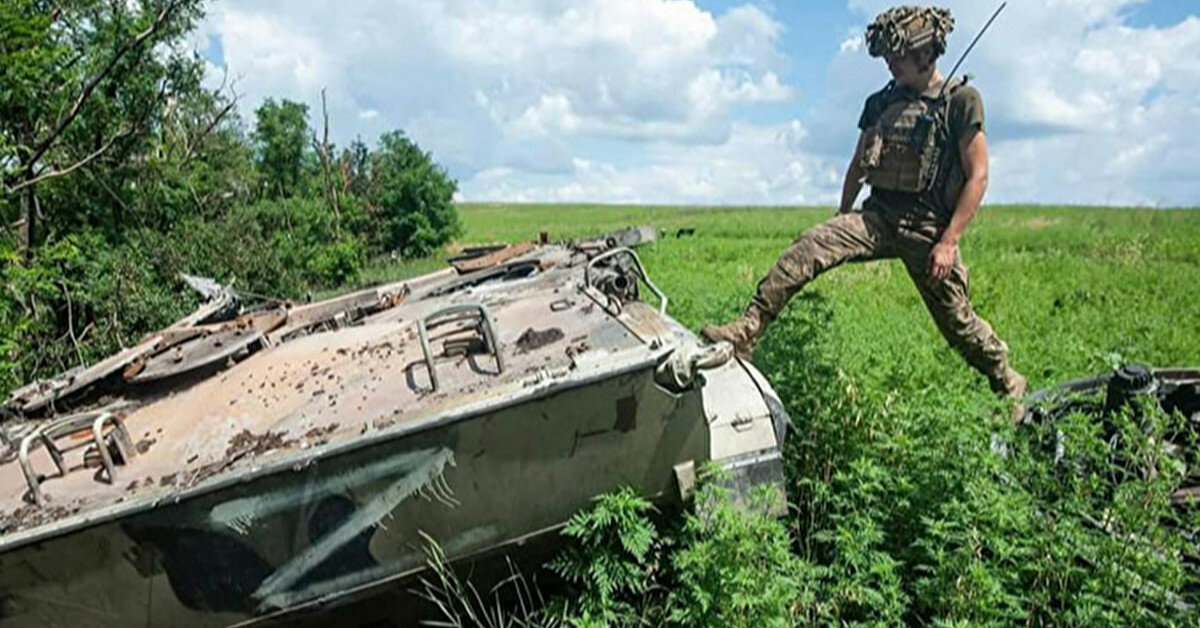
509, 83
271, 53
762, 164
853, 42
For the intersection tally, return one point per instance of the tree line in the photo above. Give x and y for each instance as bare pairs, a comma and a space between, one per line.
121, 166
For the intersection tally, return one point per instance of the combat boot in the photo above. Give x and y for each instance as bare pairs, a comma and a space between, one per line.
1011, 385
742, 333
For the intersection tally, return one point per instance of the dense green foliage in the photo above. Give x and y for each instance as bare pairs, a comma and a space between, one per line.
903, 511
120, 170
732, 565
280, 139
719, 565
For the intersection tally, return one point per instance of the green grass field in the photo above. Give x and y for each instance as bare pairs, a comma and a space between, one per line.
1070, 290
902, 512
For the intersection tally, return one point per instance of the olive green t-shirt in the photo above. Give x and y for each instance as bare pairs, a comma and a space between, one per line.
937, 205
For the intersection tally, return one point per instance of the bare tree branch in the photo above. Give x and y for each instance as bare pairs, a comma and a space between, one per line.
71, 320
193, 142
69, 169
13, 231
323, 151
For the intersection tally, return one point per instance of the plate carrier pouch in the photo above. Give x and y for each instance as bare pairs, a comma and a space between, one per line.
903, 150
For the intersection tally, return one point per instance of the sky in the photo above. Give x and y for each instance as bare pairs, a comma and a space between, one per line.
721, 102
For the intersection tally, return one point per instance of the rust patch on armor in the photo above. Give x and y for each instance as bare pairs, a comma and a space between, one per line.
245, 442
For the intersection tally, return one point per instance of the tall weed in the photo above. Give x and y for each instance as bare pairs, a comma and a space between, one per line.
723, 564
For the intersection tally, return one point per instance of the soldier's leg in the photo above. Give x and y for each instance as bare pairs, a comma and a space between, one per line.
966, 331
845, 237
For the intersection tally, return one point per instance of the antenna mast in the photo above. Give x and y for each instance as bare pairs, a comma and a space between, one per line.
971, 47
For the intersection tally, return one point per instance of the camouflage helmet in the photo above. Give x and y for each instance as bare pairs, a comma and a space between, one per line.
900, 30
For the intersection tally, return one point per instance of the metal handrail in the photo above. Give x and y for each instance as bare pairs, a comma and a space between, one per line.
45, 435
641, 270
451, 314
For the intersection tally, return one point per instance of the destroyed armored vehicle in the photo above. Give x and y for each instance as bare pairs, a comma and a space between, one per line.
1132, 388
253, 463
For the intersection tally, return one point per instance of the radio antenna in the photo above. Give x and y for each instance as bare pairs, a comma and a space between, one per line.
971, 47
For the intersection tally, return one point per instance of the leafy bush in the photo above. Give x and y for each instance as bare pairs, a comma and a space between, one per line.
723, 564
612, 560
732, 565
930, 509
301, 234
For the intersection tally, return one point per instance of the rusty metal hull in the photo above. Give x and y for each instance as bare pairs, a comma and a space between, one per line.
476, 411
353, 520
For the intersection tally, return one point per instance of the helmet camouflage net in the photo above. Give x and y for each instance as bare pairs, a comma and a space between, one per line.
901, 30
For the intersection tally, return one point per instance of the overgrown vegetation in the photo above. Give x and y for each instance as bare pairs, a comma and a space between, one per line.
914, 503
120, 169
719, 565
1000, 533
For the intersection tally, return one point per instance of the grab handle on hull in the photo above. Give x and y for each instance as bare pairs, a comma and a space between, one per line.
117, 436
452, 314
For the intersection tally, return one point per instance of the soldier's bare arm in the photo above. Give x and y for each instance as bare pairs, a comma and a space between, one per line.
854, 178
973, 149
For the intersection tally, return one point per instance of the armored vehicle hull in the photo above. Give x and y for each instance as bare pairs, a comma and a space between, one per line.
243, 467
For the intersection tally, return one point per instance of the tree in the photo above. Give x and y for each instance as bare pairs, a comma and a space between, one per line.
280, 138
354, 169
107, 139
119, 169
412, 197
77, 83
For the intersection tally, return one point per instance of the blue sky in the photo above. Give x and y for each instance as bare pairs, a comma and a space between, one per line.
1160, 12
723, 101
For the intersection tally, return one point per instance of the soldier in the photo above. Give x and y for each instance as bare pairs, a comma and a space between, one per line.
923, 151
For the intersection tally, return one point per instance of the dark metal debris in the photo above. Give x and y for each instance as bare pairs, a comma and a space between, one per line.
534, 339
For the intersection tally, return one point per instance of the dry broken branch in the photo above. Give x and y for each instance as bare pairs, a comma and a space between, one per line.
323, 151
193, 142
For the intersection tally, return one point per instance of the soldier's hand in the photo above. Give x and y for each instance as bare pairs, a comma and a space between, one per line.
941, 260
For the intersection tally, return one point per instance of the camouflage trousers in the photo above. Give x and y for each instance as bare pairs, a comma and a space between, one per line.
864, 236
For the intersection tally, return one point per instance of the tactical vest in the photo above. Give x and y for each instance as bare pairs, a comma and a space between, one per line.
905, 147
